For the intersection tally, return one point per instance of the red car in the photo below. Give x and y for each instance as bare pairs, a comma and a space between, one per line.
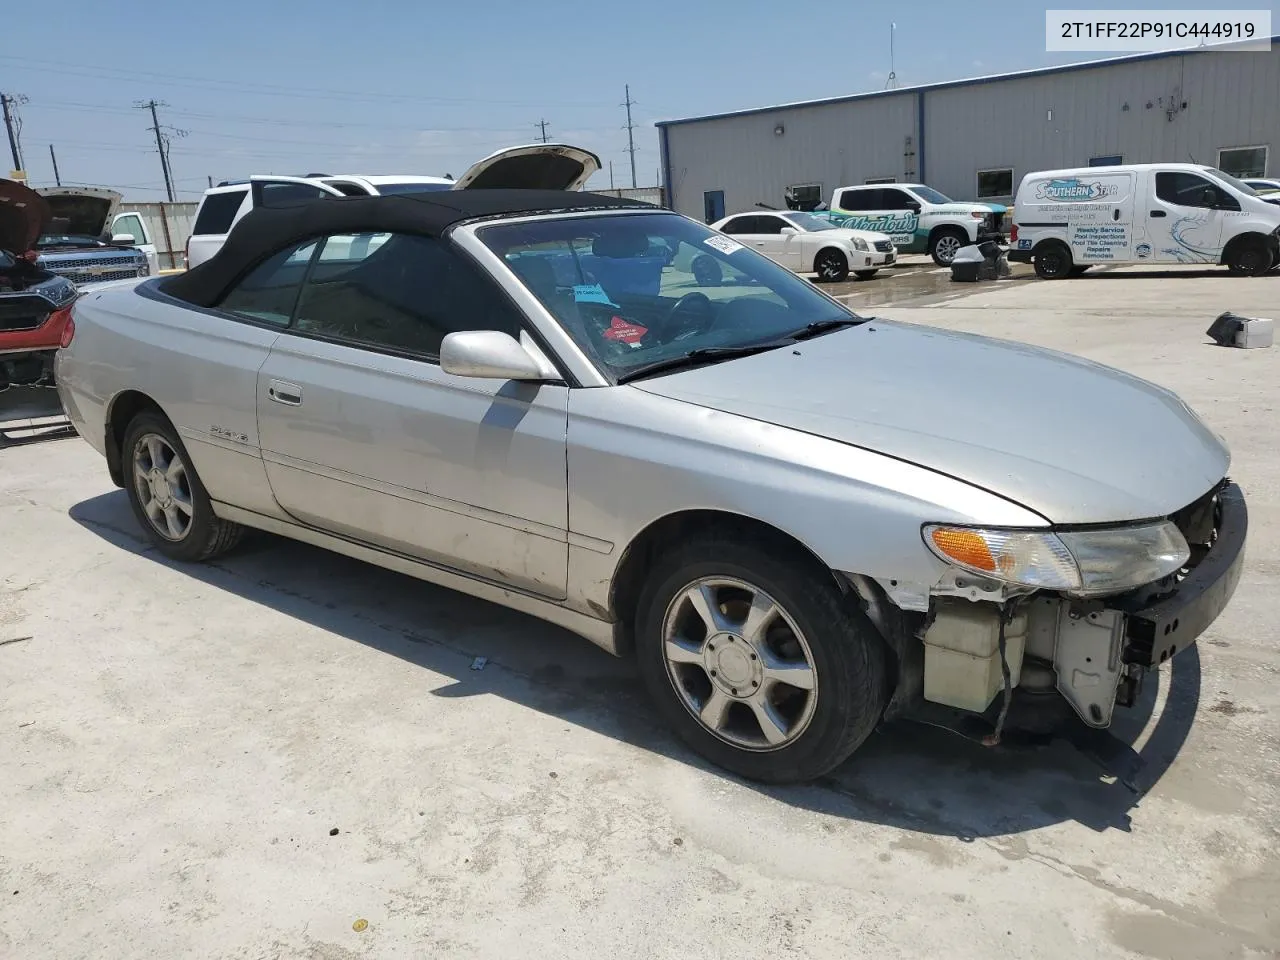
35, 305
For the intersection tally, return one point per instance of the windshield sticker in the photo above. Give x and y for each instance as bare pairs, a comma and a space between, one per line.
621, 331
591, 293
723, 244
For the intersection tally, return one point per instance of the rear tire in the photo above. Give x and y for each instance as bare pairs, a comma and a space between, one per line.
865, 274
1249, 258
831, 266
731, 704
1052, 261
166, 494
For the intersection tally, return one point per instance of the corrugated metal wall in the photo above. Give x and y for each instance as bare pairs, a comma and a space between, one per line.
828, 144
169, 224
1024, 123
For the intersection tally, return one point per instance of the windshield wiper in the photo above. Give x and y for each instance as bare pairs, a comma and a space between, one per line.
819, 327
700, 356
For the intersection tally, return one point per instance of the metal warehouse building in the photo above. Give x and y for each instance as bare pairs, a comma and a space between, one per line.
975, 139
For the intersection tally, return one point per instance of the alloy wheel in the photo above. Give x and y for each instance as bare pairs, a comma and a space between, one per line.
739, 663
163, 488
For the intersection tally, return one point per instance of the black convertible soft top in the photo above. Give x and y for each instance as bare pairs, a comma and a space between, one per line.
266, 230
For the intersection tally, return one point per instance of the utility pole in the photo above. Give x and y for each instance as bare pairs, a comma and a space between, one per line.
611, 186
210, 183
892, 80
57, 178
631, 140
163, 136
10, 124
543, 125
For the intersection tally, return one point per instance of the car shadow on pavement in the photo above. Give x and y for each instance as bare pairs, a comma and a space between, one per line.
907, 775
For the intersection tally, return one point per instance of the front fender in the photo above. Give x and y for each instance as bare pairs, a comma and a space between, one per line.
634, 458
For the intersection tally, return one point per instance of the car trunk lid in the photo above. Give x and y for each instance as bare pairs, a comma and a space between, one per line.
539, 166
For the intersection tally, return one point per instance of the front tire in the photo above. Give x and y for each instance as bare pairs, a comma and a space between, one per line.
831, 266
167, 496
946, 243
1249, 258
865, 274
756, 660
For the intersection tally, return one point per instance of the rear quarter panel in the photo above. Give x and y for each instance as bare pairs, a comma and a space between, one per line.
198, 367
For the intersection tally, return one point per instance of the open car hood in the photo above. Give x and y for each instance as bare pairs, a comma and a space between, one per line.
538, 166
23, 216
80, 211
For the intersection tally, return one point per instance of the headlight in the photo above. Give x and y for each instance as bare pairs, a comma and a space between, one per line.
144, 269
1083, 562
859, 244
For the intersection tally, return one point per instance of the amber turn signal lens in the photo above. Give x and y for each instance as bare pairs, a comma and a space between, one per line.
964, 547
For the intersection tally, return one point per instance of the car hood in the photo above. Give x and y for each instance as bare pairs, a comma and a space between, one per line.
1075, 441
80, 211
23, 216
538, 166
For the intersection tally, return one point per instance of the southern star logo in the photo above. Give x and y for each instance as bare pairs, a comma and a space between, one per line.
1074, 189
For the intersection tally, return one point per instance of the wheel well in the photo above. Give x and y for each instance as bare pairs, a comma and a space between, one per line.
1051, 242
641, 553
843, 256
1239, 240
946, 228
124, 408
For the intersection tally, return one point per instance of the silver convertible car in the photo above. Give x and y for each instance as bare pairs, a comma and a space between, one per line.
799, 520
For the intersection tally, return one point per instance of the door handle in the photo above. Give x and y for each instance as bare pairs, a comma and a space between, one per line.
1115, 214
1158, 213
286, 393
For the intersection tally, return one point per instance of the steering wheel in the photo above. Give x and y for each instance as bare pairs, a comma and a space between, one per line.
687, 303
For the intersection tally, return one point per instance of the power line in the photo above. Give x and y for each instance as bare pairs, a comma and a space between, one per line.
631, 142
96, 72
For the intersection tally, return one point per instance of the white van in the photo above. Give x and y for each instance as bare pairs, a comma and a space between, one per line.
1066, 220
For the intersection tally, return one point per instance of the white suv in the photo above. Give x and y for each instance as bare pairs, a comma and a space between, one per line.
546, 166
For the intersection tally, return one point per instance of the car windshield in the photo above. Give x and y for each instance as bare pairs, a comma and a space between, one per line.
389, 188
808, 222
641, 289
930, 195
1231, 181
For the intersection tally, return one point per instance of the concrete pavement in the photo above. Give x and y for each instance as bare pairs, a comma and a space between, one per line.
180, 743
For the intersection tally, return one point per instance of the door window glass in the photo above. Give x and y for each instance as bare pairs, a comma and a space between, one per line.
218, 212
398, 292
132, 225
891, 198
860, 200
740, 225
270, 290
1186, 189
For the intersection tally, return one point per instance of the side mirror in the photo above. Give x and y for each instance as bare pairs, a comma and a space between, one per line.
487, 355
788, 231
913, 206
122, 238
1209, 198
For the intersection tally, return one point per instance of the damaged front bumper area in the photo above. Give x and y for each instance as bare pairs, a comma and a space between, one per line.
1094, 652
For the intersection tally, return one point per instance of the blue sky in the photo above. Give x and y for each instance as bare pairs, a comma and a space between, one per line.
400, 87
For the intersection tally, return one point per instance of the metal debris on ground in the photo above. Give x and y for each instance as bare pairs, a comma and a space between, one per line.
1229, 330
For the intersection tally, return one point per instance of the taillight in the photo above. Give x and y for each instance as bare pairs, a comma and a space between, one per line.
1013, 233
68, 326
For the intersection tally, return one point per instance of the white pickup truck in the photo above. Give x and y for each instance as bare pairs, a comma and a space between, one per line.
917, 218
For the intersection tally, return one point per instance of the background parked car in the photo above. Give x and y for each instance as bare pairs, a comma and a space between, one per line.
541, 166
808, 244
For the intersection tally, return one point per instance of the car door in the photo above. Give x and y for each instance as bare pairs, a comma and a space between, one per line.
782, 242
131, 224
1185, 216
748, 230
363, 435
